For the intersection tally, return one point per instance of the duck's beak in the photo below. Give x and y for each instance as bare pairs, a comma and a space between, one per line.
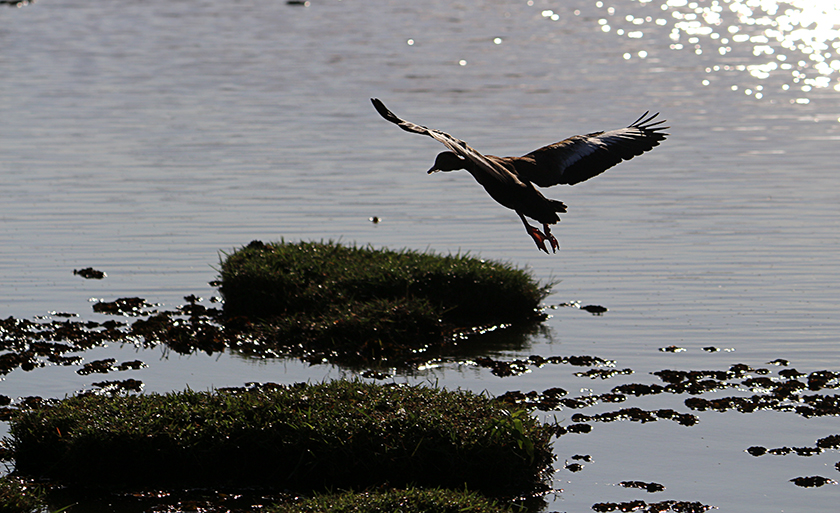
433, 170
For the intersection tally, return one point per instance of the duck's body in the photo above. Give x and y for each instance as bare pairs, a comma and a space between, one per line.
510, 180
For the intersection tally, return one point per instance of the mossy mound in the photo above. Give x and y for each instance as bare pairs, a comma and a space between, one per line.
336, 435
372, 303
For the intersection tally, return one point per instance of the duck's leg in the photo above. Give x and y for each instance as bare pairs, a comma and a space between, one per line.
554, 244
535, 234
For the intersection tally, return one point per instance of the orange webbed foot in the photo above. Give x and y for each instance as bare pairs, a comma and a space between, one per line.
539, 238
554, 244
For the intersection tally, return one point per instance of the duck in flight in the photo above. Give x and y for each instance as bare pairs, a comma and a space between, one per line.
510, 180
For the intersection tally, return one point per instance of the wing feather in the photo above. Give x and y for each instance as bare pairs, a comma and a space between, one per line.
581, 157
457, 146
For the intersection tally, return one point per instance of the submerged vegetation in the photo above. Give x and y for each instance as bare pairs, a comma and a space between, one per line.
301, 437
371, 304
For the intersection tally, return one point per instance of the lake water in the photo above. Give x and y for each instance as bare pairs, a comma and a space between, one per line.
145, 137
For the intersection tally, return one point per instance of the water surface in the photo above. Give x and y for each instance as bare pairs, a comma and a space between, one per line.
143, 138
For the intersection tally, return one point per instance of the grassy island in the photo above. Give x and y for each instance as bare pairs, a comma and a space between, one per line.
336, 435
332, 299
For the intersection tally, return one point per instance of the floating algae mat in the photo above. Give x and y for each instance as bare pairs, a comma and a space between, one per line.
371, 304
300, 437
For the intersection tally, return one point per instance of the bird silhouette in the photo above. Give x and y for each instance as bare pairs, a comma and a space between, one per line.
510, 180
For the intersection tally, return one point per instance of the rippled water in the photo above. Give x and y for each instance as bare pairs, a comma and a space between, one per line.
143, 138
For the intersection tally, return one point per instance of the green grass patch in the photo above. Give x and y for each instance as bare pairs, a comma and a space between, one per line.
16, 496
412, 500
336, 435
327, 298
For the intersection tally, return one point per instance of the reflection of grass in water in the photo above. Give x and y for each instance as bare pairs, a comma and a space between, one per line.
405, 501
369, 304
301, 437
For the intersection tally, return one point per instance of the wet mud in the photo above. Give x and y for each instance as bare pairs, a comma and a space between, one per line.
574, 467
812, 481
648, 487
744, 389
593, 309
503, 368
125, 385
107, 365
831, 442
656, 507
89, 273
639, 415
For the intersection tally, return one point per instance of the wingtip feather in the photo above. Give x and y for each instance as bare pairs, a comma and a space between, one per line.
640, 118
384, 111
650, 123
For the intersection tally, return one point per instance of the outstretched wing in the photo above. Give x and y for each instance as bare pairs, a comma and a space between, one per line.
581, 157
457, 146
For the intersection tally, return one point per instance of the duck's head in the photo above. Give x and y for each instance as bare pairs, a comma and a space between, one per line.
447, 161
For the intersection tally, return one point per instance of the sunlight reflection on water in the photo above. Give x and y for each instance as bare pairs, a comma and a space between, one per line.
759, 47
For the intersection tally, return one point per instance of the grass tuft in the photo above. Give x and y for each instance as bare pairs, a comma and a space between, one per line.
327, 297
302, 437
